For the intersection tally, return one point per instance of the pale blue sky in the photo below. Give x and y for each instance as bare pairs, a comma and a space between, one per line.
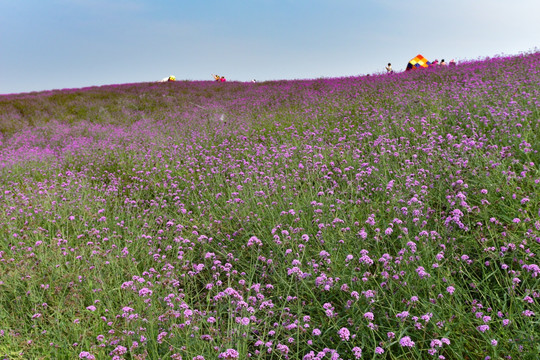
54, 44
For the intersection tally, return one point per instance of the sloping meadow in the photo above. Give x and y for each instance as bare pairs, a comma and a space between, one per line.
388, 216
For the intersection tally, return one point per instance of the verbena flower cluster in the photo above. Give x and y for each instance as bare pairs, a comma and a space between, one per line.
387, 216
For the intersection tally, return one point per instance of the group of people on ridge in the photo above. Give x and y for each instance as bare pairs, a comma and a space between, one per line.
219, 78
443, 63
434, 63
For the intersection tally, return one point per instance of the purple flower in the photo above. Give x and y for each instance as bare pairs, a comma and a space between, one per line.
244, 321
402, 315
422, 273
284, 349
86, 355
406, 341
229, 354
145, 292
435, 343
119, 350
483, 328
254, 241
344, 334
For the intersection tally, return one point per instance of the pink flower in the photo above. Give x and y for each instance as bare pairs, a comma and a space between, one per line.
406, 341
254, 241
284, 349
86, 355
344, 334
402, 315
145, 292
436, 343
229, 354
483, 328
119, 350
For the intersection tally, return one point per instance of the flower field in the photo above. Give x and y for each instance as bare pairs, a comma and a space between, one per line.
375, 217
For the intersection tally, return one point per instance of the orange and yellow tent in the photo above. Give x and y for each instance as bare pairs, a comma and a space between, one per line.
418, 62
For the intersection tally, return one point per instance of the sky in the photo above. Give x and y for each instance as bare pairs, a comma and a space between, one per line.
56, 44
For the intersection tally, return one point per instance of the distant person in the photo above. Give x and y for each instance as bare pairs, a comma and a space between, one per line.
223, 79
452, 62
253, 81
389, 68
443, 63
216, 77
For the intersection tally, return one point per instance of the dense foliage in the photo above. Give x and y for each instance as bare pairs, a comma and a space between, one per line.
389, 216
